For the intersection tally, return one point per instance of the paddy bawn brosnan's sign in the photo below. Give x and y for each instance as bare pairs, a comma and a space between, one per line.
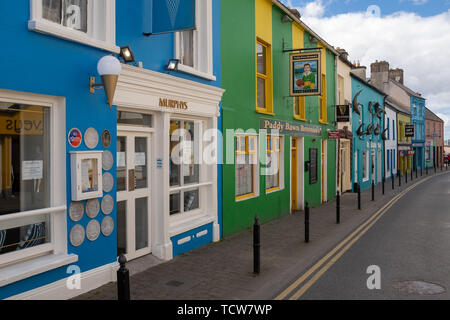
290, 128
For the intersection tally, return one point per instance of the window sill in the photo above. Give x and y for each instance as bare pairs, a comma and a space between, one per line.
268, 191
299, 119
263, 111
194, 221
29, 268
247, 197
323, 122
50, 28
192, 71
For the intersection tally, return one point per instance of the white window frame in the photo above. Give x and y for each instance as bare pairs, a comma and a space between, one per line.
203, 42
256, 166
365, 158
281, 164
101, 27
18, 265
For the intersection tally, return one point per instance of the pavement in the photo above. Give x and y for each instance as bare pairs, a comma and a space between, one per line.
224, 270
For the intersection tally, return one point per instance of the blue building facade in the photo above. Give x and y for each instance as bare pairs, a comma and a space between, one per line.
418, 141
57, 138
368, 126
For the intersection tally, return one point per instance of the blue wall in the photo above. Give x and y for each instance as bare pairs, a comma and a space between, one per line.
418, 140
367, 95
43, 64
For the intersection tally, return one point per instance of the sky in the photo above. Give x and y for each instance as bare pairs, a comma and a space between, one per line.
413, 35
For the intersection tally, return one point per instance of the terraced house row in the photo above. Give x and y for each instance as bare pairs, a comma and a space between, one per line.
158, 126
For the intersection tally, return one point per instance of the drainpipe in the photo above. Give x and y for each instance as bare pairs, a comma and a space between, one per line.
336, 95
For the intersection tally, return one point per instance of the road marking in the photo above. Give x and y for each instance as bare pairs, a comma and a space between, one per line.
369, 223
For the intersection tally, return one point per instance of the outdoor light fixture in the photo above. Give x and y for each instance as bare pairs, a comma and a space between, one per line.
109, 69
127, 54
173, 64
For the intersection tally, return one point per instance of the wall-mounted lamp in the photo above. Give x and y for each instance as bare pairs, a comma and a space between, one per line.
173, 64
127, 54
109, 69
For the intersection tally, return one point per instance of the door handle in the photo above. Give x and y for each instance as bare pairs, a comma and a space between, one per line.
131, 180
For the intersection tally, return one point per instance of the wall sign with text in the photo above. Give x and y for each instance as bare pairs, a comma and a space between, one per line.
305, 74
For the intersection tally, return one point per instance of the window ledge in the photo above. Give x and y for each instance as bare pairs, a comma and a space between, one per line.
258, 110
190, 223
29, 268
190, 70
54, 29
300, 119
243, 198
323, 122
269, 191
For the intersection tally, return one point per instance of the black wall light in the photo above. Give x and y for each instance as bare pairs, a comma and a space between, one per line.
173, 64
126, 54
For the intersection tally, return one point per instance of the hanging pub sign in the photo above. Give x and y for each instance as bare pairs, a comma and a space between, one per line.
165, 16
409, 130
343, 113
305, 74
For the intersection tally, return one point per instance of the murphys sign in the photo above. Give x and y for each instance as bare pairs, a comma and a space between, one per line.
164, 16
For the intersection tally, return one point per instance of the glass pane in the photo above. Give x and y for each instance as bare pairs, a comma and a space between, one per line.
51, 10
187, 48
14, 238
296, 107
89, 176
244, 174
174, 166
261, 94
135, 119
174, 203
141, 219
140, 162
75, 14
261, 58
25, 157
121, 164
273, 169
121, 227
191, 200
190, 168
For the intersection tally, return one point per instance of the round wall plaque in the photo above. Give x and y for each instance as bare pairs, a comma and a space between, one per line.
93, 230
107, 226
77, 235
106, 138
74, 137
91, 138
92, 208
76, 211
108, 182
107, 160
107, 204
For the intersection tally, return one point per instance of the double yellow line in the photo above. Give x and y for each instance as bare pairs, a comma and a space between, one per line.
345, 244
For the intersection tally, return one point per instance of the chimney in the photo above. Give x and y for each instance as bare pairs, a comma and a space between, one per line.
396, 75
342, 53
360, 71
379, 74
295, 12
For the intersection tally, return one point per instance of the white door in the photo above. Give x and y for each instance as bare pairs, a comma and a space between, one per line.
133, 194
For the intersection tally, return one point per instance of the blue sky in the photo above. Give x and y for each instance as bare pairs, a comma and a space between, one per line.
424, 8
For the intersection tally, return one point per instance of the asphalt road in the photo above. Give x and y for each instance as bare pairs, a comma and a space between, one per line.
410, 244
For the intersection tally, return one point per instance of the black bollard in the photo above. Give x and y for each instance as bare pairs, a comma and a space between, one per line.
426, 170
383, 179
434, 168
338, 208
373, 190
359, 195
399, 178
123, 280
306, 222
392, 180
411, 174
416, 173
406, 176
256, 246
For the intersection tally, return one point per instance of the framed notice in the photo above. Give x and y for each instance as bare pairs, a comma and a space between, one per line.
313, 166
305, 74
409, 130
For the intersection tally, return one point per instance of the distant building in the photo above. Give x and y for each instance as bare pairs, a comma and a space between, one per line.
434, 145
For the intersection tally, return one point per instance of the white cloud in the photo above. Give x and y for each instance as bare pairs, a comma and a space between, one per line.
419, 45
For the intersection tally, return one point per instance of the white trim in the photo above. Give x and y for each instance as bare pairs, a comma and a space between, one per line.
29, 268
58, 290
188, 69
93, 38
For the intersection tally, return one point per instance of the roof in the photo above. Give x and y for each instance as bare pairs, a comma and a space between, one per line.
430, 115
367, 83
400, 107
304, 26
407, 90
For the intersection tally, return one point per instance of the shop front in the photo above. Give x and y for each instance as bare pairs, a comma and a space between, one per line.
405, 155
166, 164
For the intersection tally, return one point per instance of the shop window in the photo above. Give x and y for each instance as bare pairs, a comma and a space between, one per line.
194, 47
134, 119
323, 101
85, 21
263, 78
32, 183
184, 168
299, 108
365, 164
273, 163
245, 166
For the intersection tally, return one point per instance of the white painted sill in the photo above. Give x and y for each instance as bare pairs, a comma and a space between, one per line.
181, 226
190, 70
50, 28
29, 268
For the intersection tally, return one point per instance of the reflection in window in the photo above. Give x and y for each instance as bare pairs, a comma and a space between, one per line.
140, 162
69, 13
24, 183
134, 119
121, 164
